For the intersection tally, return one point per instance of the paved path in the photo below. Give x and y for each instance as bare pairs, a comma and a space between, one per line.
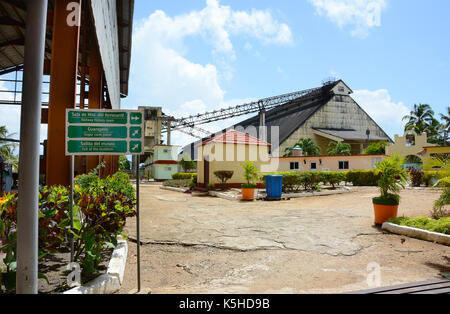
259, 238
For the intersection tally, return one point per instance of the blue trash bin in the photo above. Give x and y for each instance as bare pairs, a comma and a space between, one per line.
274, 186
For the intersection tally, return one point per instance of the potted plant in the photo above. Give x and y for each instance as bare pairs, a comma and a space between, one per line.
393, 178
251, 176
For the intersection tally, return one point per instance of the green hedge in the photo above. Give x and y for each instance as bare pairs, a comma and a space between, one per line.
363, 178
294, 181
178, 183
431, 177
441, 226
183, 176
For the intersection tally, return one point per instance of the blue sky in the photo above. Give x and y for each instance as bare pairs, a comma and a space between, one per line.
197, 55
392, 53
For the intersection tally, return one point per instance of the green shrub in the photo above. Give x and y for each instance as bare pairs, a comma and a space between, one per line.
416, 177
334, 178
177, 183
434, 225
294, 181
250, 175
431, 177
101, 213
183, 176
224, 177
363, 177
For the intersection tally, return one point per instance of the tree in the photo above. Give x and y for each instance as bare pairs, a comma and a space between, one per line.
446, 119
307, 145
446, 125
378, 148
224, 177
339, 149
7, 149
124, 163
420, 119
187, 165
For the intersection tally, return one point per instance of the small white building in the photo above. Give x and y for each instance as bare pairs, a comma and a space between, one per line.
165, 162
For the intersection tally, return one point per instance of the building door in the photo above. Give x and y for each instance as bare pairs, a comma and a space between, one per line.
206, 172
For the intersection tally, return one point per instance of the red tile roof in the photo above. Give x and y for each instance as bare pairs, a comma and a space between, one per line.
236, 137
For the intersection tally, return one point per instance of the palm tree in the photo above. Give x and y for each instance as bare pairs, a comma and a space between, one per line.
446, 119
419, 119
339, 149
7, 149
307, 145
446, 125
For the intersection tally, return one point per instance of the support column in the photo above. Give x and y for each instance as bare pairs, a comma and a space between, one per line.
27, 223
80, 159
262, 125
64, 70
169, 132
95, 95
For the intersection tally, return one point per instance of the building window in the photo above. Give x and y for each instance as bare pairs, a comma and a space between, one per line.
344, 165
339, 98
295, 166
314, 166
168, 168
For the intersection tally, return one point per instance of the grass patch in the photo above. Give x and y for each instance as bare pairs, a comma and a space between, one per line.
440, 226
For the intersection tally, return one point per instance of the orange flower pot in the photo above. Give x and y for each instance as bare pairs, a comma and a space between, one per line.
384, 212
248, 194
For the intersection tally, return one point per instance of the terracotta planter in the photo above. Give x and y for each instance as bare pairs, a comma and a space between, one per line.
384, 212
248, 194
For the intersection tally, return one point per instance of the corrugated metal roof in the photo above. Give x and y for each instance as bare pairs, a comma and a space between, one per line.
13, 17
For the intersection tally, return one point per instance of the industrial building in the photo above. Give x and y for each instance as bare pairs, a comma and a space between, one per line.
325, 114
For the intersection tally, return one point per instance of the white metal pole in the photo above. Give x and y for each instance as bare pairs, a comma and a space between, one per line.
138, 222
27, 224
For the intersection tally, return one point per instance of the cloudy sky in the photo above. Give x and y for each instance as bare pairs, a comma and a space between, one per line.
198, 55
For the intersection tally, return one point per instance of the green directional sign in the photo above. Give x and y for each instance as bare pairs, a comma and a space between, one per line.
135, 132
90, 147
99, 117
135, 147
136, 118
98, 132
102, 132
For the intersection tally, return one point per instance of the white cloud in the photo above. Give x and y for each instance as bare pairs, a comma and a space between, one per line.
380, 106
162, 74
361, 14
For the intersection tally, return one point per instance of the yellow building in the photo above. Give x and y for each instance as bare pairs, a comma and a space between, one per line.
326, 163
409, 145
434, 151
228, 152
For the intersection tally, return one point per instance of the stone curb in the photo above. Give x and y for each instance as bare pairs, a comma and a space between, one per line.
170, 188
417, 233
223, 196
112, 281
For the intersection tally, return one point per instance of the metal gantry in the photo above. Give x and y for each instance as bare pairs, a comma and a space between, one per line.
190, 124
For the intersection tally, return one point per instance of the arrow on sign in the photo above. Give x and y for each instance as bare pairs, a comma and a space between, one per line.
136, 133
135, 147
135, 118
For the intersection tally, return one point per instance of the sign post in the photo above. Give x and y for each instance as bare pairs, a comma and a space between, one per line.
110, 133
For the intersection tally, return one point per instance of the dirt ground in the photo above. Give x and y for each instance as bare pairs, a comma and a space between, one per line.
322, 244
